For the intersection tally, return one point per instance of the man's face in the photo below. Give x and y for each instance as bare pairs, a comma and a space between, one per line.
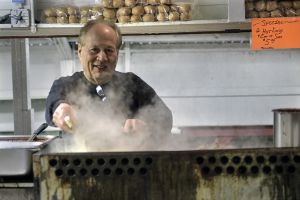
98, 54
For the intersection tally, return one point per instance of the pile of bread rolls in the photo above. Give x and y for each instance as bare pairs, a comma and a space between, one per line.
71, 14
151, 11
121, 11
272, 8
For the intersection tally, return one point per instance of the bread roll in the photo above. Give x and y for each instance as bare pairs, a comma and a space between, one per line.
124, 19
153, 2
118, 3
249, 6
72, 11
130, 3
264, 14
296, 4
150, 9
174, 8
286, 4
277, 13
168, 2
252, 14
260, 5
110, 20
124, 11
138, 10
62, 20
51, 20
148, 18
107, 3
99, 17
174, 16
61, 12
185, 16
109, 13
141, 2
271, 5
162, 16
97, 10
184, 7
163, 9
84, 19
290, 12
49, 12
85, 11
136, 18
73, 19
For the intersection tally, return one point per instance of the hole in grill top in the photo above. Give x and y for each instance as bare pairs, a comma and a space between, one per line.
107, 171
236, 160
148, 161
248, 160
125, 161
130, 171
254, 170
278, 169
83, 172
285, 159
112, 161
95, 172
230, 170
297, 159
53, 162
291, 169
224, 160
260, 159
136, 161
101, 161
267, 169
218, 170
88, 162
200, 160
71, 172
242, 170
272, 159
143, 171
76, 162
59, 172
205, 170
65, 162
119, 171
212, 159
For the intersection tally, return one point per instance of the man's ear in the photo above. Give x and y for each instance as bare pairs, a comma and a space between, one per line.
79, 49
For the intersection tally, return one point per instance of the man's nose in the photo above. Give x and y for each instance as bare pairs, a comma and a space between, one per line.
101, 55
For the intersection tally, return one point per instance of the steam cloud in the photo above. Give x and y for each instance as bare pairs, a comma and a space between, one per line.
100, 126
100, 129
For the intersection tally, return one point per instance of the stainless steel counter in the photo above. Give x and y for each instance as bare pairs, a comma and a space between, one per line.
17, 191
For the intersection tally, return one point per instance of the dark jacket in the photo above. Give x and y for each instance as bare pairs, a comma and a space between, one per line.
128, 96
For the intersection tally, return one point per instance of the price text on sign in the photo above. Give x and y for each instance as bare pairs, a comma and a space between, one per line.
276, 33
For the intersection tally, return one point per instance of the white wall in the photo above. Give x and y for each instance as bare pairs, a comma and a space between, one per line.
223, 86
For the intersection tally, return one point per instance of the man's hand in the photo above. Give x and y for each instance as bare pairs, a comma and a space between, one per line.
134, 126
64, 117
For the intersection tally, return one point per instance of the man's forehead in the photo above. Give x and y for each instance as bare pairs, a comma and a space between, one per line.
101, 29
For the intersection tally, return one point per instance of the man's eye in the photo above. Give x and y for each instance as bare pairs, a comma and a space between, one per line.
110, 50
94, 50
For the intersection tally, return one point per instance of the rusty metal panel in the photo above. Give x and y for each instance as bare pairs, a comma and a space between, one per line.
243, 174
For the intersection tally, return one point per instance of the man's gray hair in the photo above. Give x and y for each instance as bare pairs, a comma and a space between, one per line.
85, 29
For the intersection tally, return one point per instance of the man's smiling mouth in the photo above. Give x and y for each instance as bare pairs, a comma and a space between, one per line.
100, 67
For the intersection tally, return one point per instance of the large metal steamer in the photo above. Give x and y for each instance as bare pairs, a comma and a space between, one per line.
235, 174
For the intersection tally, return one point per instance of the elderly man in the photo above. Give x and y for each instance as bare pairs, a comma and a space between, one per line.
102, 95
